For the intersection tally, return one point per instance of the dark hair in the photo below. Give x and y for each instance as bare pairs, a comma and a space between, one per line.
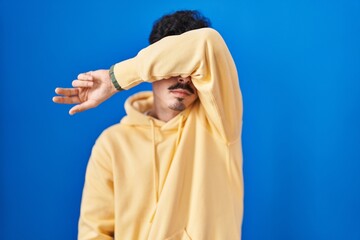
177, 23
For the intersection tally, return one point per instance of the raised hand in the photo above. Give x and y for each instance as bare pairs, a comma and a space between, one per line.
89, 90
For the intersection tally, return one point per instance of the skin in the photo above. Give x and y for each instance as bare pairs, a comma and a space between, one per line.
171, 96
89, 90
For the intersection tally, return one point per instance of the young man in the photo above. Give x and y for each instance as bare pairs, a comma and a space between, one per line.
172, 168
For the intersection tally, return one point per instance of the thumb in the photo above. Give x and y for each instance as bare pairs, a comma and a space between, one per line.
83, 107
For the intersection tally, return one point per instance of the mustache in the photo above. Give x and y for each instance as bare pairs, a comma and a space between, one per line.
182, 86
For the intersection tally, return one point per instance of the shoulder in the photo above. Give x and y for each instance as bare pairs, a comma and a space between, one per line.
109, 141
120, 133
113, 131
110, 135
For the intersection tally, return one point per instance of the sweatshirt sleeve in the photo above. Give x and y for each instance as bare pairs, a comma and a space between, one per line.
203, 55
97, 206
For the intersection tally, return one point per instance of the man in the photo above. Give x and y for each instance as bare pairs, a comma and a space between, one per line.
172, 168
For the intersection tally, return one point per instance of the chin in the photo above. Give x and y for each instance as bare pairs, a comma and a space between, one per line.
178, 107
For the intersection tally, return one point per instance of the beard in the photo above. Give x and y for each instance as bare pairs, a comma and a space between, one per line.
178, 105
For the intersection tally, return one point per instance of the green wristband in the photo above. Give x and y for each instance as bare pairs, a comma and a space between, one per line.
113, 79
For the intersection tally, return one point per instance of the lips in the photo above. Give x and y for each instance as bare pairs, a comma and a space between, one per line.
180, 92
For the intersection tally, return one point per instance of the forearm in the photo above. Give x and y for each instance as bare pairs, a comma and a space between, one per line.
172, 56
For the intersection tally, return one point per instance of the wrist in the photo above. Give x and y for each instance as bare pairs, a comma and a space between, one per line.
116, 85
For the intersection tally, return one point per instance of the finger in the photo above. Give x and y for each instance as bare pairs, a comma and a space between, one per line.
85, 76
66, 100
67, 91
82, 107
82, 83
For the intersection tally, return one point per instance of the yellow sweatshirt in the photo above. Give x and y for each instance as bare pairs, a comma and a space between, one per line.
175, 180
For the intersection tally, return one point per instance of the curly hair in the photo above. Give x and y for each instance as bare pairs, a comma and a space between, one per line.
177, 23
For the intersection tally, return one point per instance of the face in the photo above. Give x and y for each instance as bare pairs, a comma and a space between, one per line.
176, 93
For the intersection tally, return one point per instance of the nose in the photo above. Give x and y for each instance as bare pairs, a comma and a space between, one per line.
184, 79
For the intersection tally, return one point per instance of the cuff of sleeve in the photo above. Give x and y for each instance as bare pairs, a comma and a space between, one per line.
113, 79
126, 73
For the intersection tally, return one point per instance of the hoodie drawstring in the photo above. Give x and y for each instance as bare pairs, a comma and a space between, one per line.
179, 131
155, 170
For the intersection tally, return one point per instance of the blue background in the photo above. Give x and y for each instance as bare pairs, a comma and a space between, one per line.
299, 69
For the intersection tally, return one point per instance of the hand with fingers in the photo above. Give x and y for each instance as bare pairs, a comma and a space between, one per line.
89, 90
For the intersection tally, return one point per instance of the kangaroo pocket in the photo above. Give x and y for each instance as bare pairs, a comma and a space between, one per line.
179, 235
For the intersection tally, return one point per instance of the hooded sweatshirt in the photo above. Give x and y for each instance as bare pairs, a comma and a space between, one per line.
175, 180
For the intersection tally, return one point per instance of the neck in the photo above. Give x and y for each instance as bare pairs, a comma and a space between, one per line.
162, 113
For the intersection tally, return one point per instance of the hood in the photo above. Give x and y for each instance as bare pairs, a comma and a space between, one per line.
138, 104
